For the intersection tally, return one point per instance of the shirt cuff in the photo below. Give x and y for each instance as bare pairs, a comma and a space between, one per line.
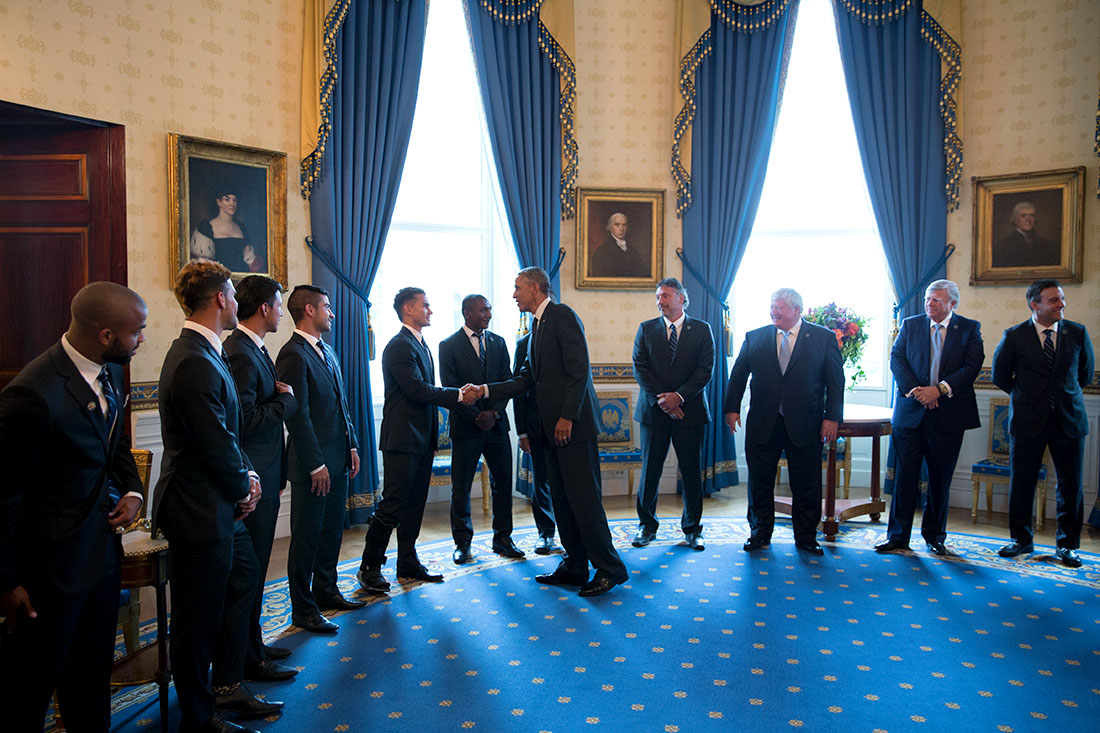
317, 470
138, 496
948, 386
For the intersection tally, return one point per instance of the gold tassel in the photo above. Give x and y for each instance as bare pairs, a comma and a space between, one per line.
523, 329
729, 333
370, 338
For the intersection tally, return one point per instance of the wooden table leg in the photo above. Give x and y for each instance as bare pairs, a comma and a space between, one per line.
876, 451
830, 525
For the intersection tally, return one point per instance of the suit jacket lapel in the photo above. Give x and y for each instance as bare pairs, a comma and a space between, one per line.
86, 400
260, 356
800, 344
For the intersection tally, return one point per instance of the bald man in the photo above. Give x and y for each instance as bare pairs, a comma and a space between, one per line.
68, 488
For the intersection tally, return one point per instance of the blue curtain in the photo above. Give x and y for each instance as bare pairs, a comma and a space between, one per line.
379, 50
521, 89
738, 88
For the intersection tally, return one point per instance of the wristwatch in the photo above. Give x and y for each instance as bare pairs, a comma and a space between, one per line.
942, 387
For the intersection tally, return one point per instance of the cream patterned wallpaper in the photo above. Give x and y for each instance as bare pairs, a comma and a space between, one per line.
225, 70
1031, 73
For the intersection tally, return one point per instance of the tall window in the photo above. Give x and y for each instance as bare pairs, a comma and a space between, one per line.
448, 234
815, 231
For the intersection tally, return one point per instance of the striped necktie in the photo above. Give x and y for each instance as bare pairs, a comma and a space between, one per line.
672, 341
1048, 348
481, 350
110, 398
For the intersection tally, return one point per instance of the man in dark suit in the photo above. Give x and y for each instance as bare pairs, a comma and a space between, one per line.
409, 439
797, 402
474, 354
935, 360
557, 366
69, 485
673, 362
206, 486
529, 434
323, 457
265, 403
617, 257
1044, 363
1023, 247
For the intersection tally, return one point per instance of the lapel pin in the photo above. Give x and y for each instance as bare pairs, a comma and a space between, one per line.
90, 406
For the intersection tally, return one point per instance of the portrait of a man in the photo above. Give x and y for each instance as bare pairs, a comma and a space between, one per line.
1024, 245
619, 238
618, 256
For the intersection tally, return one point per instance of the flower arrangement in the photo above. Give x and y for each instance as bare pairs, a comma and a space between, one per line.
850, 330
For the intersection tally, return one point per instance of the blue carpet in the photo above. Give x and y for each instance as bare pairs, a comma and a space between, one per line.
717, 640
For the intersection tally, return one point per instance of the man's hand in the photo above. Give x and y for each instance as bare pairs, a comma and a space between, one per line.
525, 445
828, 430
924, 395
354, 464
321, 482
486, 420
733, 420
563, 431
247, 505
931, 405
284, 388
124, 512
471, 393
14, 602
669, 401
677, 414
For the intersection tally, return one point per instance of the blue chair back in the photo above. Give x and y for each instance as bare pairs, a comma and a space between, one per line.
444, 428
616, 420
998, 427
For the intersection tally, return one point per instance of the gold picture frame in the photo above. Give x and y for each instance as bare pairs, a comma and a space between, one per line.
1028, 226
636, 260
218, 188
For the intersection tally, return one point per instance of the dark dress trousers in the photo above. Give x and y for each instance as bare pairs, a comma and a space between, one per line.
687, 374
263, 410
931, 436
557, 367
321, 433
408, 439
459, 364
55, 541
1047, 409
785, 415
211, 571
525, 407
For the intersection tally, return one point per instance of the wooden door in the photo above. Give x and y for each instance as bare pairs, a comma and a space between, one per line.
62, 223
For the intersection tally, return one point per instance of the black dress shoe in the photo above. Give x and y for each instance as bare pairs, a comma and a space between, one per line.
545, 545
243, 703
644, 537
268, 671
560, 577
937, 548
418, 573
694, 540
275, 652
218, 724
462, 555
507, 548
599, 585
1068, 557
892, 546
756, 543
1013, 549
339, 603
810, 546
372, 581
315, 622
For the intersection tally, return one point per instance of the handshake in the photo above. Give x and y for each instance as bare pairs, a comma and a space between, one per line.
471, 393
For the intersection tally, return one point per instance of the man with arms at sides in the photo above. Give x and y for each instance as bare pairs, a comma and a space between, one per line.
206, 486
265, 403
474, 354
1023, 247
323, 455
673, 362
1044, 363
616, 257
797, 403
557, 365
68, 487
529, 433
935, 360
409, 439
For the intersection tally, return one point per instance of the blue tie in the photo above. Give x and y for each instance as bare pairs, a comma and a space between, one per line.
109, 397
672, 341
937, 352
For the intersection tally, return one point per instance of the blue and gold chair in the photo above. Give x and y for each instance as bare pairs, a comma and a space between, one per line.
994, 469
441, 464
616, 437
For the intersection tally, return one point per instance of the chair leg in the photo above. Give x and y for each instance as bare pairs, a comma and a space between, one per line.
629, 482
485, 490
988, 501
1041, 504
976, 486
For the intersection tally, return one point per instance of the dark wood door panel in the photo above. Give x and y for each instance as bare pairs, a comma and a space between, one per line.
59, 177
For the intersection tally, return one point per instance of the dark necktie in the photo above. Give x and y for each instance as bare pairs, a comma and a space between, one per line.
109, 397
672, 341
1048, 348
534, 336
481, 350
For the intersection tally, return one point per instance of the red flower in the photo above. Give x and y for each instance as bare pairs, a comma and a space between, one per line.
853, 328
839, 337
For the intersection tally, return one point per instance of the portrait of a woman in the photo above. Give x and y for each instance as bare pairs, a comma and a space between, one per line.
222, 238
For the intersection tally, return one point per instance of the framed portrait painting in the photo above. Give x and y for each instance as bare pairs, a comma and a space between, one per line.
1028, 226
227, 203
620, 238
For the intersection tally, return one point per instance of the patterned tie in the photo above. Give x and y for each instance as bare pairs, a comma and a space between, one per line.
937, 352
481, 351
1048, 348
785, 352
672, 341
109, 397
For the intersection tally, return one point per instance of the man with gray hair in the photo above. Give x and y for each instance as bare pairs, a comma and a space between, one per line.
935, 360
616, 257
1023, 247
797, 402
